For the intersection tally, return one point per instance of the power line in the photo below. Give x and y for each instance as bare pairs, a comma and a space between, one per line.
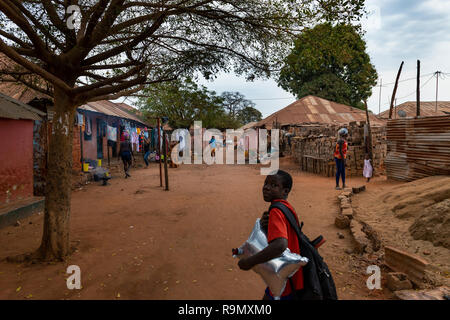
426, 82
422, 86
409, 79
271, 98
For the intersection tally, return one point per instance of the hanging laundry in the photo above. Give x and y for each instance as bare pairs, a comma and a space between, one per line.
181, 137
79, 119
88, 129
88, 126
112, 133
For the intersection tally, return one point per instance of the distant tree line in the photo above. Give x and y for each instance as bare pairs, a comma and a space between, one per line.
184, 101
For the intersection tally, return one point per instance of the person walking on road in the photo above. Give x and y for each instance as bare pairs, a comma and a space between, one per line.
126, 152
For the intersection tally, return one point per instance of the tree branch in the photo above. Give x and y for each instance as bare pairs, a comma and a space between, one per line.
13, 55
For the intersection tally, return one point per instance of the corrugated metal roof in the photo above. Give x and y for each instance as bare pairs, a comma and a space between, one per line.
427, 109
21, 92
17, 90
111, 109
14, 109
314, 109
248, 126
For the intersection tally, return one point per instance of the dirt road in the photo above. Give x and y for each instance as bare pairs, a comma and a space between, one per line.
136, 241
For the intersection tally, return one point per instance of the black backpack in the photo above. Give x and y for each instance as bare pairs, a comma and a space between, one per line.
318, 284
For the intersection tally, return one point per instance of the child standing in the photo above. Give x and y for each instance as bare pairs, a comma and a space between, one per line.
368, 169
280, 233
212, 142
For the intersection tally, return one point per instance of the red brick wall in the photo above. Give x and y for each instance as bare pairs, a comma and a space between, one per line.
16, 159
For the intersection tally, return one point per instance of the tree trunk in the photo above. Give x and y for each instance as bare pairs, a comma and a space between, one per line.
55, 240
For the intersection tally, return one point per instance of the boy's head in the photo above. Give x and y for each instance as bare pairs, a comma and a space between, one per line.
367, 156
277, 186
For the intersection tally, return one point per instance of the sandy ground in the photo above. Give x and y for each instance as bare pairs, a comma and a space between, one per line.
136, 241
391, 208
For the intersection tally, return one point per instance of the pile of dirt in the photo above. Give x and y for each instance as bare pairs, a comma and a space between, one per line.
412, 217
427, 202
434, 225
410, 200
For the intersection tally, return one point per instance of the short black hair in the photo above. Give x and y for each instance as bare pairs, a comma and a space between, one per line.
285, 178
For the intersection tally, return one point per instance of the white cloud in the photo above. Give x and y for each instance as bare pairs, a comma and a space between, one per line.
407, 30
435, 6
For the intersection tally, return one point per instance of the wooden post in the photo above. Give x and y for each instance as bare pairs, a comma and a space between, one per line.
159, 153
418, 88
81, 146
437, 89
166, 173
369, 145
379, 98
395, 90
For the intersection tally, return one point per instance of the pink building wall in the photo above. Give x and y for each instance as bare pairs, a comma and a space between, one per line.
16, 159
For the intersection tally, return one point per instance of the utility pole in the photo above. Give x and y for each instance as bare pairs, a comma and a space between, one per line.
166, 173
369, 142
418, 89
438, 73
379, 99
159, 153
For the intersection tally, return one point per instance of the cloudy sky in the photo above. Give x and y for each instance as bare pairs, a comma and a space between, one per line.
396, 31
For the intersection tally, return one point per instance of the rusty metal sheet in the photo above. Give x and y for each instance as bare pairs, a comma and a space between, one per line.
407, 263
14, 109
314, 109
418, 148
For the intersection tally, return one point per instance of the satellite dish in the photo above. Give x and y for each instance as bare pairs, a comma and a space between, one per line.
402, 114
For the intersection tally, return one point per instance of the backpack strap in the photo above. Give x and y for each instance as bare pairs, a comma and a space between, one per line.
293, 222
290, 217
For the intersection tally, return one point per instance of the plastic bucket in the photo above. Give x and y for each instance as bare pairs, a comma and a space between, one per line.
85, 167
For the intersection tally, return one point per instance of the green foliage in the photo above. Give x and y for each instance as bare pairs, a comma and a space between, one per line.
183, 102
330, 62
121, 46
239, 108
249, 114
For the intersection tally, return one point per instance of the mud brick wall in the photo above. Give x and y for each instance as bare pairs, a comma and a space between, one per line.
313, 147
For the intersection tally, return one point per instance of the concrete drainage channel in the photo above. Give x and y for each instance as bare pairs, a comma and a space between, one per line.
410, 280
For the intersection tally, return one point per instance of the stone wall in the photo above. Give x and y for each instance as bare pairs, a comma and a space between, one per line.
312, 146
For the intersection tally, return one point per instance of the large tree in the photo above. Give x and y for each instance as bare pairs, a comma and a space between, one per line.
248, 114
235, 102
120, 46
331, 62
